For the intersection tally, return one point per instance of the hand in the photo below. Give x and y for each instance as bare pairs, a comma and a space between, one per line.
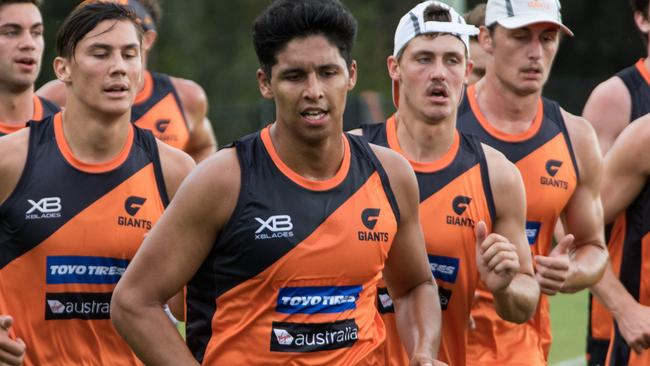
12, 351
634, 324
423, 360
496, 258
553, 271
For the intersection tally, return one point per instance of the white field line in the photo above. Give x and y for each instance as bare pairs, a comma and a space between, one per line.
578, 361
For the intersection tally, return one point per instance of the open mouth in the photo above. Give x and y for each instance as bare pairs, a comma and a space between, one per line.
314, 114
117, 88
27, 61
438, 91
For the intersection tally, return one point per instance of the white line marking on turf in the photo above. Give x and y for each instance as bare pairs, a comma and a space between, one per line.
578, 361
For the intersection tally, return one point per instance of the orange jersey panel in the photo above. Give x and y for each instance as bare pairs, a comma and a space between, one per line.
42, 108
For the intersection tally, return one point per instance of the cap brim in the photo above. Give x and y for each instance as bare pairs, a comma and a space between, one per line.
522, 21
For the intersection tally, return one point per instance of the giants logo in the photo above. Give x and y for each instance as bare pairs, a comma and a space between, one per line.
279, 226
552, 167
132, 205
369, 218
162, 125
459, 205
45, 208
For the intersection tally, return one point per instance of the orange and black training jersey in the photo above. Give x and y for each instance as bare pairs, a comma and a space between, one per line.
158, 108
43, 108
637, 81
455, 194
292, 278
544, 156
634, 271
67, 233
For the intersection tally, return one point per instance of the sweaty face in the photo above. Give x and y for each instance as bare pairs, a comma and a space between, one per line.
105, 71
431, 74
523, 57
21, 46
479, 58
309, 84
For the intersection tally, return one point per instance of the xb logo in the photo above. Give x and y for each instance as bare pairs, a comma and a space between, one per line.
133, 204
552, 166
460, 204
162, 124
369, 217
275, 223
45, 205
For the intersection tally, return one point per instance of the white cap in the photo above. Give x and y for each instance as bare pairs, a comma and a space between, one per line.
513, 14
412, 25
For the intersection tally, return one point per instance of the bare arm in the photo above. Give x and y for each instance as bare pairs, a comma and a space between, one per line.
504, 258
176, 247
579, 259
608, 109
53, 90
203, 142
407, 272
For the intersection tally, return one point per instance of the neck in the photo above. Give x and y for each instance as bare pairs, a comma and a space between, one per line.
319, 160
94, 137
421, 141
16, 108
503, 108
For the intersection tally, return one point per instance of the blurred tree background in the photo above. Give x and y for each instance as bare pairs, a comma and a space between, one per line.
210, 42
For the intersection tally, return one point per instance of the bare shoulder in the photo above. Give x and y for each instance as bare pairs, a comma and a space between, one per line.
632, 144
53, 90
13, 156
192, 96
504, 175
585, 145
396, 165
176, 165
219, 175
611, 93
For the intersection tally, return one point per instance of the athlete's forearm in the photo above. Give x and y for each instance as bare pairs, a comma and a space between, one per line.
588, 262
419, 319
517, 303
147, 329
611, 293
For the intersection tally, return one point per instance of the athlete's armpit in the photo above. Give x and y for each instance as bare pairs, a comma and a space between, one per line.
202, 142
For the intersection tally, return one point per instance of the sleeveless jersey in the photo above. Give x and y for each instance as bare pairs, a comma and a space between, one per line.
637, 81
455, 193
545, 159
292, 277
158, 108
43, 108
631, 244
67, 233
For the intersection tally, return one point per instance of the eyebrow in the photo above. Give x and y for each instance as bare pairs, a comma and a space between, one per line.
109, 47
18, 26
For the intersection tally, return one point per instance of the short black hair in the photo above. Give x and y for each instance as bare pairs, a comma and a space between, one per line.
84, 18
285, 20
642, 7
38, 3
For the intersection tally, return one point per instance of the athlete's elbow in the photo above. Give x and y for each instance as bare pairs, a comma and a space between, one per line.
124, 308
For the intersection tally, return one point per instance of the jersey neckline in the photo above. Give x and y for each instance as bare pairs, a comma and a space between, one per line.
501, 135
37, 115
421, 167
112, 164
314, 185
147, 89
645, 73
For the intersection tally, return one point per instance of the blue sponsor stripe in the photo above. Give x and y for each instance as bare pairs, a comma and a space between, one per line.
84, 270
532, 231
322, 299
444, 268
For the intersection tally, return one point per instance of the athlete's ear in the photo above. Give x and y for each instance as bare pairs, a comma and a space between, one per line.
485, 40
62, 69
352, 81
393, 68
642, 22
468, 70
148, 39
264, 83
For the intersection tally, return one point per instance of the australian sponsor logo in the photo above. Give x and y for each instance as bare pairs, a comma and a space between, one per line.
444, 268
459, 206
369, 218
313, 337
85, 270
532, 231
552, 167
384, 301
45, 208
132, 205
278, 226
321, 299
445, 297
77, 306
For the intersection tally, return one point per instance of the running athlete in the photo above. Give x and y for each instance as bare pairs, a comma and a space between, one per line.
476, 17
559, 160
79, 191
464, 186
611, 107
284, 236
21, 52
174, 109
625, 193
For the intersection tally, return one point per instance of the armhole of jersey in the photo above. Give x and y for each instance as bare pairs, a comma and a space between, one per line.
157, 167
385, 182
243, 188
485, 178
177, 98
27, 169
49, 107
629, 85
557, 114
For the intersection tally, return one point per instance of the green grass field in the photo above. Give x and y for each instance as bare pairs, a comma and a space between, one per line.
569, 322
